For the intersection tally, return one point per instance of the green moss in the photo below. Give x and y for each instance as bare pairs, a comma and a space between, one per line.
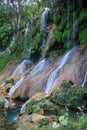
56, 17
64, 36
31, 107
58, 34
42, 121
62, 24
83, 14
6, 58
70, 96
36, 41
83, 37
36, 27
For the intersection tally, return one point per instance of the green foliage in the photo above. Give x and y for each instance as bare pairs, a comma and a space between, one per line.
65, 123
62, 24
83, 37
5, 30
31, 106
42, 121
64, 119
36, 41
45, 106
58, 34
64, 36
69, 96
83, 14
5, 58
30, 11
18, 47
77, 95
56, 18
54, 53
61, 96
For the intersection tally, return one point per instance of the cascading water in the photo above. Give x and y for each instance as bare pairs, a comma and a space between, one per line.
44, 22
28, 39
85, 79
75, 31
22, 67
72, 24
56, 74
13, 39
40, 66
6, 102
12, 90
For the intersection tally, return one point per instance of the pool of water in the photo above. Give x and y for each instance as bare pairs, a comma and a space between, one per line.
12, 115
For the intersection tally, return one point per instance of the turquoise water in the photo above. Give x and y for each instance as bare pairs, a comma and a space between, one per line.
12, 115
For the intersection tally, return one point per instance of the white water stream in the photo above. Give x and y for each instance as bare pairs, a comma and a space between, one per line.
21, 67
40, 66
56, 74
85, 79
12, 90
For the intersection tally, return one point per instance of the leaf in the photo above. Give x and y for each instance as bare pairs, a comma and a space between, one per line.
63, 120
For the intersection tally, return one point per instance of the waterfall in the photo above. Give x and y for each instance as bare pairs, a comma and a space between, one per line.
18, 71
13, 38
44, 22
85, 79
40, 66
56, 74
76, 31
6, 102
72, 24
23, 106
44, 18
22, 67
28, 39
12, 90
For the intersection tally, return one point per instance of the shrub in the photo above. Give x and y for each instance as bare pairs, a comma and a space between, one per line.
83, 37
42, 121
31, 107
70, 96
58, 34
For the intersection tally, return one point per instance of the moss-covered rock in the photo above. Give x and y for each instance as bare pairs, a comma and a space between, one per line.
31, 106
69, 95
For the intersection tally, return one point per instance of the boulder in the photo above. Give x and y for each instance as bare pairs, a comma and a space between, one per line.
76, 69
4, 74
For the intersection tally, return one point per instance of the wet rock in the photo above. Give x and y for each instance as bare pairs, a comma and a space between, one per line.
75, 70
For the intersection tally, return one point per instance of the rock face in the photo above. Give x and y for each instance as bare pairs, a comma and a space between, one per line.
74, 71
33, 84
69, 95
7, 71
